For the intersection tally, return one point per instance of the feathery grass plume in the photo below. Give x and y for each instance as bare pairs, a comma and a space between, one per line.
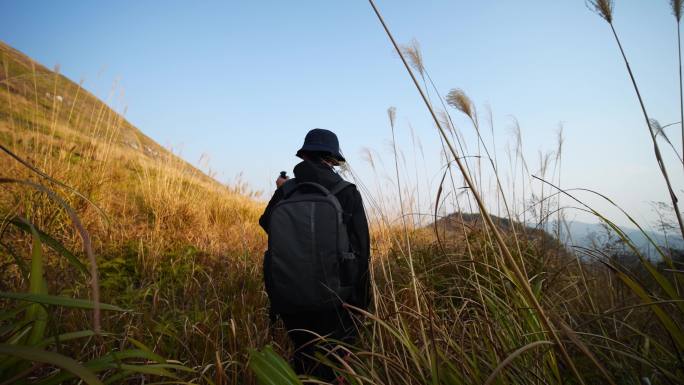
368, 156
677, 8
459, 100
412, 51
603, 8
392, 115
444, 119
659, 130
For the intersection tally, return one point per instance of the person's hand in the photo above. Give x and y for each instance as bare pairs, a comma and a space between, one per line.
280, 181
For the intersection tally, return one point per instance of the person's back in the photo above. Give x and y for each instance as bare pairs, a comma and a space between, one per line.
315, 176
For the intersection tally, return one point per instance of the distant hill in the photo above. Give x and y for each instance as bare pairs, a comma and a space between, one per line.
585, 234
574, 234
455, 223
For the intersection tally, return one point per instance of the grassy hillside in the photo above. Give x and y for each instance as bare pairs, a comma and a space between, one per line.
44, 101
72, 136
175, 247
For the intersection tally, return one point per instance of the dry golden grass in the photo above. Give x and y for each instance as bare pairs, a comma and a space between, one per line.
179, 249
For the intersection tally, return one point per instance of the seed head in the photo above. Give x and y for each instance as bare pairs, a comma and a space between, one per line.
603, 8
368, 157
392, 115
415, 57
444, 120
460, 101
677, 8
658, 129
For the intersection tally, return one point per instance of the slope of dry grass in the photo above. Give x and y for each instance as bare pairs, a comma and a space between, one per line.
178, 249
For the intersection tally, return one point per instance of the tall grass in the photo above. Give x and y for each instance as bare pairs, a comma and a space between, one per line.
24, 333
467, 298
175, 248
604, 8
608, 314
521, 279
677, 7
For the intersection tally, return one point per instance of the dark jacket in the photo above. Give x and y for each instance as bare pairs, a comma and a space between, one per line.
354, 217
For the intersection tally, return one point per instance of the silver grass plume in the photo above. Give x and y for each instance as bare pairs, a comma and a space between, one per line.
412, 51
368, 157
444, 120
459, 100
658, 129
677, 8
603, 8
392, 115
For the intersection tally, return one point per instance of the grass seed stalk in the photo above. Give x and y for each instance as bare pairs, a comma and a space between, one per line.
522, 280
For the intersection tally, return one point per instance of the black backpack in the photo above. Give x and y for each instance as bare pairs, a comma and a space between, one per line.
310, 265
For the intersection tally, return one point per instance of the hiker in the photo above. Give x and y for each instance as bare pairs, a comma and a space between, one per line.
318, 252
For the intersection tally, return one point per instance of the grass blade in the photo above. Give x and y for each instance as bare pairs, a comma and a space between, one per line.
511, 357
34, 354
271, 369
46, 239
47, 299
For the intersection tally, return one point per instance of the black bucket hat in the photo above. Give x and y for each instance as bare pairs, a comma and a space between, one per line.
320, 140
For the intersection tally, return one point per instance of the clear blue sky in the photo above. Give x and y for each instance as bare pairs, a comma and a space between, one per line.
244, 81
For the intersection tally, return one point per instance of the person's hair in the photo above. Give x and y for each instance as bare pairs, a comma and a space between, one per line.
320, 156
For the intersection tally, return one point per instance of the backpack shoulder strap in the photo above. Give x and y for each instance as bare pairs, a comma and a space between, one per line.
336, 189
341, 185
